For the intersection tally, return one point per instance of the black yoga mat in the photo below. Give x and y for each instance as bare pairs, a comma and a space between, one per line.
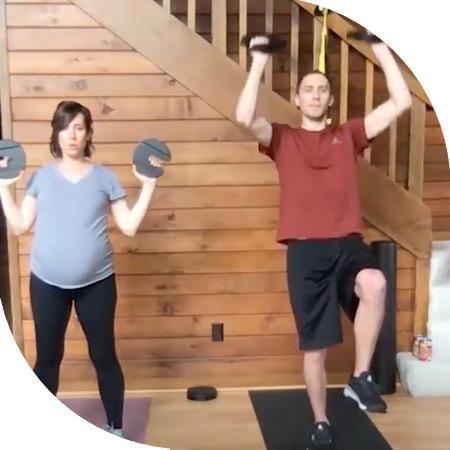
286, 420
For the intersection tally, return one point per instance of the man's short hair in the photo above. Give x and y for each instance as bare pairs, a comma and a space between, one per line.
311, 72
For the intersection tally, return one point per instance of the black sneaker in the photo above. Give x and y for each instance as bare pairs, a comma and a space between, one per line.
321, 437
364, 391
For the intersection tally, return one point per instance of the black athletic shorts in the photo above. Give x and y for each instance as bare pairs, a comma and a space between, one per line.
321, 277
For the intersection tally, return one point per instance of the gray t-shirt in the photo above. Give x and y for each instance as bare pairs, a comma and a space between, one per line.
71, 247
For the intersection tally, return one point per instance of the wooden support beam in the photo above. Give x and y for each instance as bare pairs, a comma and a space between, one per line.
422, 296
192, 14
295, 32
317, 28
166, 4
417, 148
268, 75
392, 164
219, 24
343, 96
6, 118
368, 101
242, 32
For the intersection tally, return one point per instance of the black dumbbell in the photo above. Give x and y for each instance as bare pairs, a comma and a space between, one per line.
145, 149
364, 36
319, 11
12, 159
273, 45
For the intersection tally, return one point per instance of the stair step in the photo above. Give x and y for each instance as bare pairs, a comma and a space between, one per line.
423, 378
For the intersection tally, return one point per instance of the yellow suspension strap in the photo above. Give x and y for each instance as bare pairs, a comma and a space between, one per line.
323, 41
322, 59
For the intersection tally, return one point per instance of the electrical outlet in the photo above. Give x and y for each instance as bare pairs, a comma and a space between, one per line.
217, 332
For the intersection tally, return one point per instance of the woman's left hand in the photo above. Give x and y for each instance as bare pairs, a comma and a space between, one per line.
155, 162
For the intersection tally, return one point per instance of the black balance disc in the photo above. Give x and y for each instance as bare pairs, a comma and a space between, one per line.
12, 159
201, 393
145, 149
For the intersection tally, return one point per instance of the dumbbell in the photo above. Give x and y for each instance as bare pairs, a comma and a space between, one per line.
319, 11
145, 149
365, 36
12, 159
273, 45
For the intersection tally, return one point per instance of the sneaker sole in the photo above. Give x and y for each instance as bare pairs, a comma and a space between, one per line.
320, 448
351, 394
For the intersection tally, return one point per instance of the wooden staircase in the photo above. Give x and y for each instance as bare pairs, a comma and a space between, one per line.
205, 69
206, 251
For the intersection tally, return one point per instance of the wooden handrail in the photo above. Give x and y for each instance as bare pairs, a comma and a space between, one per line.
341, 28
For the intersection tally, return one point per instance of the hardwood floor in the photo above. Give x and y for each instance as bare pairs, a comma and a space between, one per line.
415, 423
229, 423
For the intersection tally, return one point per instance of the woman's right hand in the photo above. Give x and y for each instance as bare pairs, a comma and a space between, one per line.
10, 181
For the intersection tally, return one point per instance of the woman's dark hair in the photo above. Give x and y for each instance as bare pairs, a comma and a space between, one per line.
65, 112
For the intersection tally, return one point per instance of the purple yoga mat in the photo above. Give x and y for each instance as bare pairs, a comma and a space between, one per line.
135, 414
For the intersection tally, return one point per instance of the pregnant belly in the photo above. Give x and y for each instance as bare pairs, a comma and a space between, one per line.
69, 264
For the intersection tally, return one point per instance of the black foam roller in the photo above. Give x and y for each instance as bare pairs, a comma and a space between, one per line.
384, 359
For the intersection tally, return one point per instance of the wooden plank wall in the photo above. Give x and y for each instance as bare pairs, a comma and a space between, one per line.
206, 252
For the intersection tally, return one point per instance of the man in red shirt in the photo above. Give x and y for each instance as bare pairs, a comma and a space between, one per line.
328, 263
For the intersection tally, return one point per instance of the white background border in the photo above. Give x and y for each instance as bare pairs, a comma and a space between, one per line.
31, 418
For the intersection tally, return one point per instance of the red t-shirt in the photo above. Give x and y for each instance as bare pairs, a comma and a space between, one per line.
318, 185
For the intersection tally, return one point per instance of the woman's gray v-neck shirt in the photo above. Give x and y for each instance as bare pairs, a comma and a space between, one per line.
71, 247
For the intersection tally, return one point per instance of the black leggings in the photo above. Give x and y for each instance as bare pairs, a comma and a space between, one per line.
95, 306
